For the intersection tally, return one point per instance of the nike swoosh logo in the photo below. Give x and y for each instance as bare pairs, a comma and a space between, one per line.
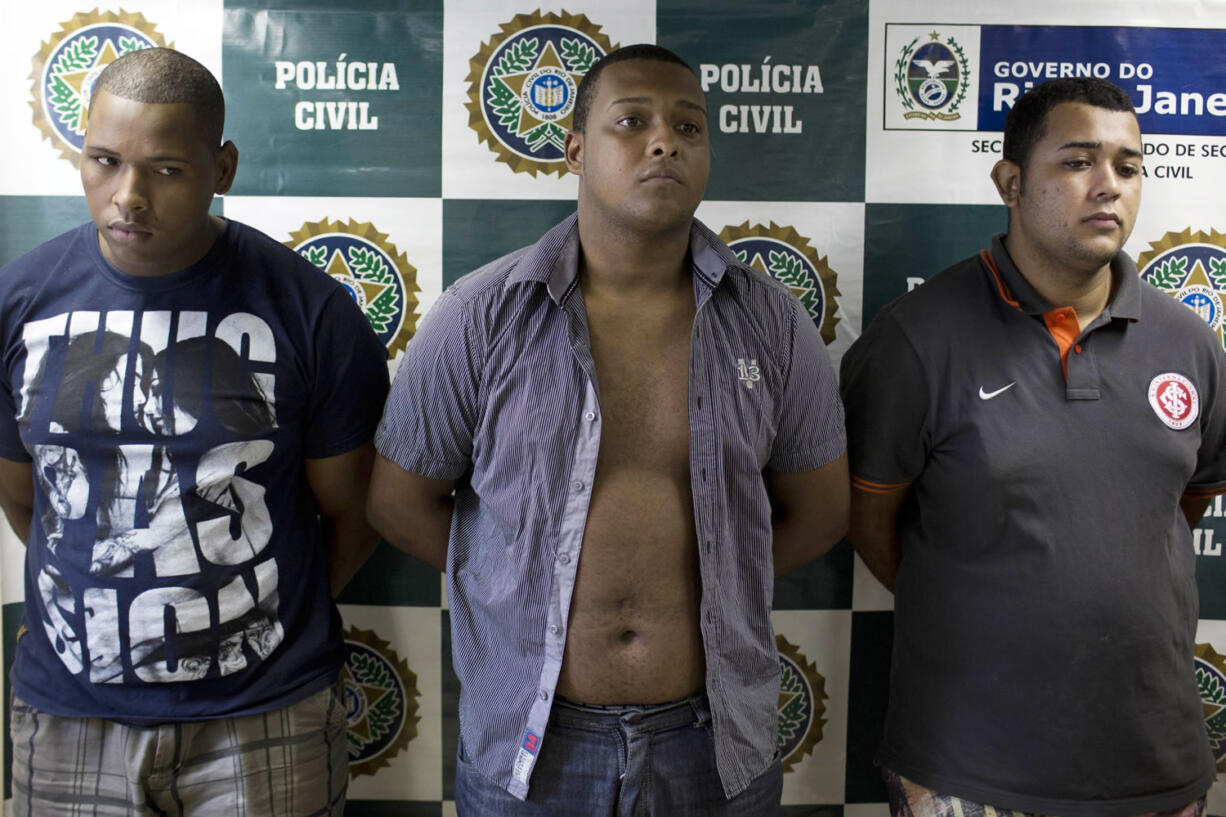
988, 395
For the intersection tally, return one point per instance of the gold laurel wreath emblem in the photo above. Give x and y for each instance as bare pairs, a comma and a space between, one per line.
1212, 685
791, 696
820, 286
372, 685
477, 114
1156, 266
81, 80
370, 285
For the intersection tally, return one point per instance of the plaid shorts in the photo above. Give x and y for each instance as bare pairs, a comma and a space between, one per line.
290, 762
908, 799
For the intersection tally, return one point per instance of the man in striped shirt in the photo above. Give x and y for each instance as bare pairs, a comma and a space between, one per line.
639, 433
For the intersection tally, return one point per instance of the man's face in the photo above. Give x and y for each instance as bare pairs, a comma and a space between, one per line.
149, 176
644, 156
1078, 197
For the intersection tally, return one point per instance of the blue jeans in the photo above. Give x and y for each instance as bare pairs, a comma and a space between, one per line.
631, 761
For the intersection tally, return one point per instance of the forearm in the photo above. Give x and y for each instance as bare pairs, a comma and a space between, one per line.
17, 496
421, 529
874, 534
793, 544
349, 544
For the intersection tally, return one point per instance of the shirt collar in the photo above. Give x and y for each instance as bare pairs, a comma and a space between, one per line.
1013, 287
554, 259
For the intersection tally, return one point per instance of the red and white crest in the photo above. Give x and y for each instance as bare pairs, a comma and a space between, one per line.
1174, 400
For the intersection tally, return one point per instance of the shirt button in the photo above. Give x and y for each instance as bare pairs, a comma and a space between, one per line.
564, 559
542, 694
589, 416
577, 485
555, 629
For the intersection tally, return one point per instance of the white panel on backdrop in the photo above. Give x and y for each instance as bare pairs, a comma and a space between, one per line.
819, 643
190, 26
470, 167
415, 772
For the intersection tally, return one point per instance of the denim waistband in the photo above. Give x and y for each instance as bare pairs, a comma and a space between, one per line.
692, 710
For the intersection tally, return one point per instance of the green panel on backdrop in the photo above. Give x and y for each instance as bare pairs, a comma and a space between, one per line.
904, 241
327, 101
1211, 563
10, 621
872, 640
822, 584
392, 577
476, 232
793, 142
27, 221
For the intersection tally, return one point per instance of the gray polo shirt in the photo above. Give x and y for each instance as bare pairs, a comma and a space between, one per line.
1046, 603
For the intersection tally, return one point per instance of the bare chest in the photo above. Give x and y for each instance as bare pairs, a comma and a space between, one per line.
642, 368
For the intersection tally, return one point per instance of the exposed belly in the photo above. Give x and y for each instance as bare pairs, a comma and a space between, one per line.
634, 618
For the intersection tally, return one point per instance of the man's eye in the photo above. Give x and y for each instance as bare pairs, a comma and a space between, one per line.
168, 171
105, 161
690, 129
628, 121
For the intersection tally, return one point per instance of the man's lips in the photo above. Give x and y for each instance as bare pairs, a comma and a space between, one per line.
128, 230
662, 175
1103, 218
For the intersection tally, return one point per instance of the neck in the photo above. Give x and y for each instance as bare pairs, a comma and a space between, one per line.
1086, 288
627, 264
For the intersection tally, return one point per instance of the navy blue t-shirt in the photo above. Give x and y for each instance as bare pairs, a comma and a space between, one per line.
176, 566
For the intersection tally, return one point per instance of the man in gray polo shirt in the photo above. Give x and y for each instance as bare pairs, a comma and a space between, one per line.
1032, 433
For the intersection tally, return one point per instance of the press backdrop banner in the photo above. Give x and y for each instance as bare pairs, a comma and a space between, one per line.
398, 144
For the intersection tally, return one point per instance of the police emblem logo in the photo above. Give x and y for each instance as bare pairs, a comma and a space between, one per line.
381, 698
786, 256
522, 86
1211, 681
802, 692
1174, 399
377, 276
69, 62
932, 78
1191, 268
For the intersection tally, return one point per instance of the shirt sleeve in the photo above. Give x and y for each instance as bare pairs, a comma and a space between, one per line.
350, 381
431, 412
886, 397
810, 427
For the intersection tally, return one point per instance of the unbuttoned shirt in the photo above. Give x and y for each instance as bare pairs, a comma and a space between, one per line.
498, 391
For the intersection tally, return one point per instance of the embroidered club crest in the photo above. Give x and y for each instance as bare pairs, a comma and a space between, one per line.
786, 256
1191, 268
69, 62
802, 692
380, 701
522, 86
377, 276
1174, 399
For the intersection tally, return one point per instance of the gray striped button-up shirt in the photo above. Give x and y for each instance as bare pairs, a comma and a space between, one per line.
498, 385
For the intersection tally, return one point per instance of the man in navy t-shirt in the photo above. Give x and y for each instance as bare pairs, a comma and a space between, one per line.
186, 414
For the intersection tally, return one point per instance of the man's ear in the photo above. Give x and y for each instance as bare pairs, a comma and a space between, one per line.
1007, 176
227, 166
572, 148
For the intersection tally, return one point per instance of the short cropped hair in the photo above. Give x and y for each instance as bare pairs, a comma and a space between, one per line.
639, 51
161, 75
1025, 124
